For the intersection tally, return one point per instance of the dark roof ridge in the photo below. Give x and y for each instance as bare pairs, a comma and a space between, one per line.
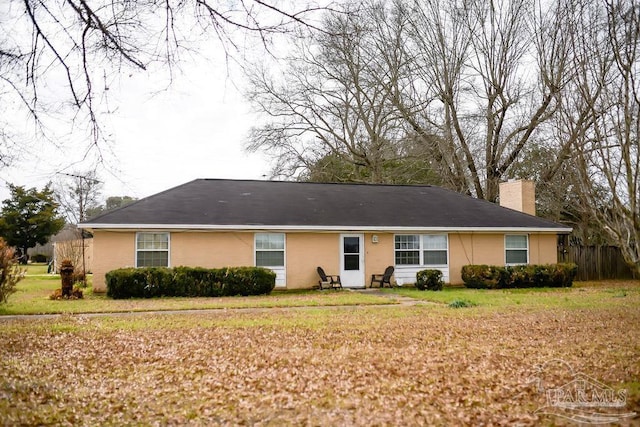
319, 183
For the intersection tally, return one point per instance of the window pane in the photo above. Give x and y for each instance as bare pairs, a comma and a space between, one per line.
434, 241
269, 241
407, 257
516, 242
435, 257
153, 240
352, 262
153, 259
351, 245
270, 258
516, 256
407, 242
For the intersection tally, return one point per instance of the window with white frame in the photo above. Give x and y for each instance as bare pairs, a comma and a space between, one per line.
152, 249
269, 249
407, 250
516, 249
426, 249
434, 249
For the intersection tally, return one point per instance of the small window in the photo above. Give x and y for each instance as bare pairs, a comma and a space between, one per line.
516, 249
269, 250
426, 249
435, 249
152, 250
351, 252
407, 248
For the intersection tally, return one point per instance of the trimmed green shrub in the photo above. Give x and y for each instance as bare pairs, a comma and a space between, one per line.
483, 276
430, 280
519, 276
197, 281
153, 282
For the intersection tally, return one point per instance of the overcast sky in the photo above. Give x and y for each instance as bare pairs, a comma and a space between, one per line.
162, 137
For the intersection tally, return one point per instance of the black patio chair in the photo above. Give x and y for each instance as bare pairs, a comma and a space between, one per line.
382, 278
328, 281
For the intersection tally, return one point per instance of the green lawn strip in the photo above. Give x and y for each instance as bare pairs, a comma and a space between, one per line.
587, 295
32, 297
35, 269
33, 293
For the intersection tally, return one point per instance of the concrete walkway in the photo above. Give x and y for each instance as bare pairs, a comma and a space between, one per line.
397, 299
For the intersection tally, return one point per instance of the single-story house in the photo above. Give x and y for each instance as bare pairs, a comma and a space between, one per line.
354, 230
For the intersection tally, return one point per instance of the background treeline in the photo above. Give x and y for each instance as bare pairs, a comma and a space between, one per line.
466, 94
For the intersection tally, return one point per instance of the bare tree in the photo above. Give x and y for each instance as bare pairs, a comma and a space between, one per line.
333, 103
77, 194
492, 72
62, 56
607, 92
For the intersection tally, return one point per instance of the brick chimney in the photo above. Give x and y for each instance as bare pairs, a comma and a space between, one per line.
519, 195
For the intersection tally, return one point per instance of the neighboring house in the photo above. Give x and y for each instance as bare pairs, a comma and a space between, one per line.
67, 245
354, 230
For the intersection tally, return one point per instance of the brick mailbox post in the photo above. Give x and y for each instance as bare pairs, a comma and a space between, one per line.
66, 274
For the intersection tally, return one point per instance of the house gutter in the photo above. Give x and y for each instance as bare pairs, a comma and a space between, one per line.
319, 229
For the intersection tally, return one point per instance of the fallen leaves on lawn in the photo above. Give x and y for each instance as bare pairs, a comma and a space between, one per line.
384, 366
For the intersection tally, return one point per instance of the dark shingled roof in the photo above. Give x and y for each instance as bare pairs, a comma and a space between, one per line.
207, 203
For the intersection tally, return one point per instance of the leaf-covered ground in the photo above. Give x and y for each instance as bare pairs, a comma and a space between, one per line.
409, 365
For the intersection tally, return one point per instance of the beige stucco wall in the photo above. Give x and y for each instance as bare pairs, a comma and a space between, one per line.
378, 256
203, 249
480, 248
211, 249
543, 249
305, 252
111, 250
473, 249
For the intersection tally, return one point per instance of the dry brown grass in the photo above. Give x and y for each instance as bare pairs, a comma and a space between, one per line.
421, 365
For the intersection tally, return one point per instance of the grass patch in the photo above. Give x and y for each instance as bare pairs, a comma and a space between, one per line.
32, 297
583, 295
461, 303
36, 269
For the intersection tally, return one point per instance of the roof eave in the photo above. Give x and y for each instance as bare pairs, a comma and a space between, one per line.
320, 228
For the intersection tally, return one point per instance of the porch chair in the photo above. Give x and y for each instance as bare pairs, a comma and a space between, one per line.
328, 281
382, 278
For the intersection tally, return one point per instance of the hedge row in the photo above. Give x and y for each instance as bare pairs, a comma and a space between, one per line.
189, 282
519, 276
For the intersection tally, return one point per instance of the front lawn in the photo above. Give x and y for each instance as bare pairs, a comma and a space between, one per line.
396, 365
581, 295
33, 293
424, 364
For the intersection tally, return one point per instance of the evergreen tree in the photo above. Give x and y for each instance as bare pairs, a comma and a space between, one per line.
29, 217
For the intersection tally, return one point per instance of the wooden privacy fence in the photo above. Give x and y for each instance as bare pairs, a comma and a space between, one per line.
596, 262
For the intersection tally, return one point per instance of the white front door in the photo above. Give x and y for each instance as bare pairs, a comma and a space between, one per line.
352, 260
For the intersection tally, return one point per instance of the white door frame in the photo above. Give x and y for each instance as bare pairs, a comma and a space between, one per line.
352, 278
